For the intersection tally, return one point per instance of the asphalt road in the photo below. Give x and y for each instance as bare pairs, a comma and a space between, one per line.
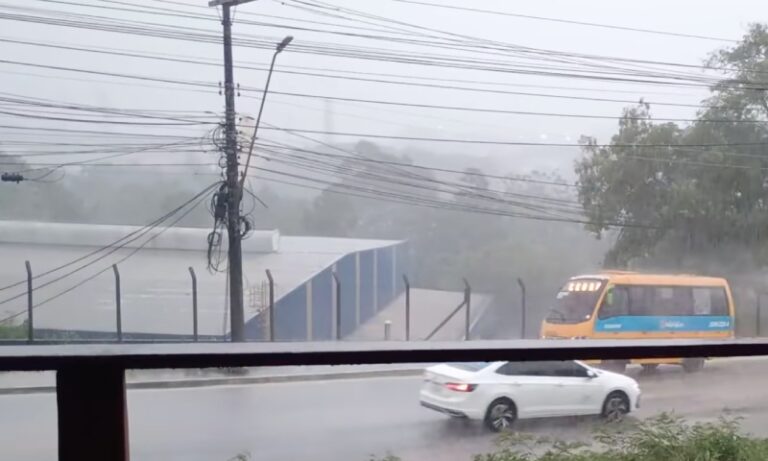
353, 419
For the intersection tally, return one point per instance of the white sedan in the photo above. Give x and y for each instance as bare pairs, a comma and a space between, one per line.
498, 393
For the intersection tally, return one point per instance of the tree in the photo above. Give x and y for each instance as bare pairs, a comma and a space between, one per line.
687, 200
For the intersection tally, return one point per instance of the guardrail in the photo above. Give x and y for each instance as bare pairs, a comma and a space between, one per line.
90, 379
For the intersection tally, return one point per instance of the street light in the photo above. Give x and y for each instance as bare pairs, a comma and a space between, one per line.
279, 48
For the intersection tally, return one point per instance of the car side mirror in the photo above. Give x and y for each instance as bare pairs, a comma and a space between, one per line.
591, 374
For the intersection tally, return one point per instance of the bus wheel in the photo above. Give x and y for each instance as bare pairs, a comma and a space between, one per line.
649, 368
693, 365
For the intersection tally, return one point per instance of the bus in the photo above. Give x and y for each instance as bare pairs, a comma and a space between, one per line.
630, 305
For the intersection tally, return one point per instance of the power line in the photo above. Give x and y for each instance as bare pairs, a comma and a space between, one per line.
568, 21
113, 165
420, 167
91, 132
337, 11
499, 111
395, 169
302, 70
109, 74
547, 205
379, 195
107, 122
334, 50
112, 247
507, 143
41, 104
85, 162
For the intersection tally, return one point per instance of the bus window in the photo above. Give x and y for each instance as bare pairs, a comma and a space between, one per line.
702, 301
709, 301
640, 300
615, 303
672, 301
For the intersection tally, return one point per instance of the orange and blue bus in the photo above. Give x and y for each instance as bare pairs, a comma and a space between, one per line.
629, 305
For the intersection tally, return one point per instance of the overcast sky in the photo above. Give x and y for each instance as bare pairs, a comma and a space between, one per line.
727, 20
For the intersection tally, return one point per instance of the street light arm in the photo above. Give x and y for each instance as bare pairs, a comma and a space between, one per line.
258, 120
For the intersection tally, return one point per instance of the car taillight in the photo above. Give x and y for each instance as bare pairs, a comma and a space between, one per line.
461, 387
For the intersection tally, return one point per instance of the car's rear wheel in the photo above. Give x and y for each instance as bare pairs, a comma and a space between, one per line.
693, 365
615, 407
500, 415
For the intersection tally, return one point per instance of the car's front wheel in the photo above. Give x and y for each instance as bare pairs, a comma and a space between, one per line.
500, 415
615, 407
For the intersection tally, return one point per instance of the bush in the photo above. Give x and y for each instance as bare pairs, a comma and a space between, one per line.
8, 331
663, 438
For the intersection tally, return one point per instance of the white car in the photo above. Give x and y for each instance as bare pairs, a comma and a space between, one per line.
498, 393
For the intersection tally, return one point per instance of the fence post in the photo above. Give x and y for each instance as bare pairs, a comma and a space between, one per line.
523, 307
195, 336
271, 306
118, 305
467, 298
30, 307
338, 305
387, 330
758, 315
407, 308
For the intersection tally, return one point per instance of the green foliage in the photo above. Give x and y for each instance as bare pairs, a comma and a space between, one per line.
687, 200
9, 331
665, 437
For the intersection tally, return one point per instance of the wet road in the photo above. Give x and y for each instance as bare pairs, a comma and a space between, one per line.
353, 419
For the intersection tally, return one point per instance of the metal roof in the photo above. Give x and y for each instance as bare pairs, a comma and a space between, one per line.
156, 284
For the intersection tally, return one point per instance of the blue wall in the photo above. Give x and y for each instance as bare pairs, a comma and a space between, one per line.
291, 309
322, 306
367, 309
291, 316
345, 269
384, 262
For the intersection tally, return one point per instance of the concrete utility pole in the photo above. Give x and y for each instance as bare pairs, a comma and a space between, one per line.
234, 185
234, 193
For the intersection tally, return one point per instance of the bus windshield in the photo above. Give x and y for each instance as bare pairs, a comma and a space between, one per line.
576, 301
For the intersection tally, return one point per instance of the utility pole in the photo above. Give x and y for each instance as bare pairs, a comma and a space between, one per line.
234, 235
235, 184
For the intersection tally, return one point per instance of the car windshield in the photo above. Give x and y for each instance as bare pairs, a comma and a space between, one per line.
575, 302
